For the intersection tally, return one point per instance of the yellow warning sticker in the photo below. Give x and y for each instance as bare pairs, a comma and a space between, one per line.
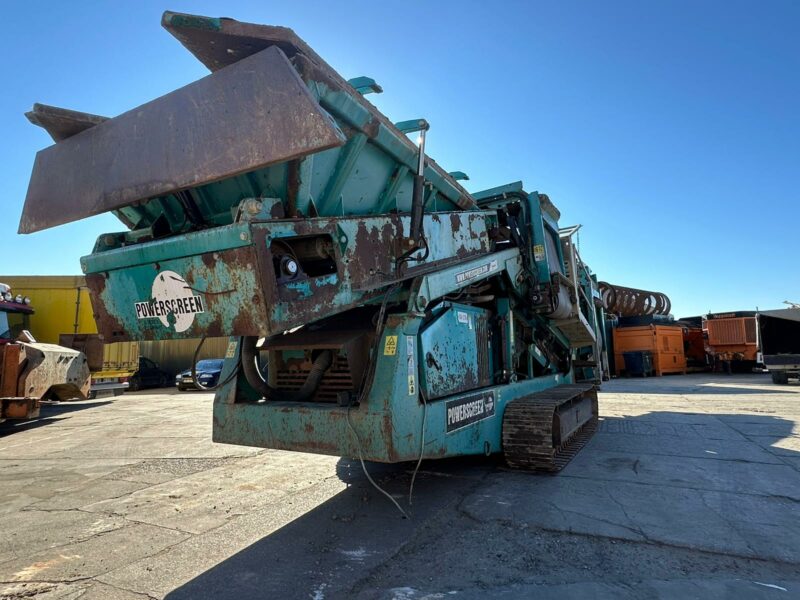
538, 253
231, 350
390, 345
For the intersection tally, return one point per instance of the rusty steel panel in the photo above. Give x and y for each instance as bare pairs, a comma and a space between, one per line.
218, 43
31, 372
19, 408
239, 292
227, 283
9, 370
52, 371
91, 344
250, 115
221, 42
62, 123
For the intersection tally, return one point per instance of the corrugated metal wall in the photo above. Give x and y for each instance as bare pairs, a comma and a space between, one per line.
176, 355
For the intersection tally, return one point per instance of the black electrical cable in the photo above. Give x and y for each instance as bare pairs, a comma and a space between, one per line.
365, 392
219, 384
406, 257
421, 444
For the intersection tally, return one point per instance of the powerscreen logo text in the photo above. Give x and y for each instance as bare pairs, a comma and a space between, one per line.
469, 410
171, 302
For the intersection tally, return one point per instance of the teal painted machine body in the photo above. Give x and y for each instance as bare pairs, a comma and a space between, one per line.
356, 324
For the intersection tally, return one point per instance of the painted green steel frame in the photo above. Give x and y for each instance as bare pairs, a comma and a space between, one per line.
389, 423
230, 268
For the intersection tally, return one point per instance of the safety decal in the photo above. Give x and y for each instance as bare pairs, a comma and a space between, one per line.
390, 345
231, 352
538, 253
412, 369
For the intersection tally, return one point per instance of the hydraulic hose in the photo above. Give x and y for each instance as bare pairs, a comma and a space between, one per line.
321, 364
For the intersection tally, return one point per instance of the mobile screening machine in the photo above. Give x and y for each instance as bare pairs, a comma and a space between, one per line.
375, 308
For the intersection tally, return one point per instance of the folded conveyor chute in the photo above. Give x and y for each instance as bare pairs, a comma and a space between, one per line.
230, 122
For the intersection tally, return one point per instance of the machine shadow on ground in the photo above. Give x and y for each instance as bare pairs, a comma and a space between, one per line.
352, 545
49, 412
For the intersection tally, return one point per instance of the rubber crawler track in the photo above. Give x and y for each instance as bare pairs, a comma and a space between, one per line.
528, 429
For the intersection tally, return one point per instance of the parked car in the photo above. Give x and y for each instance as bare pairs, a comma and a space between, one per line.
208, 371
149, 375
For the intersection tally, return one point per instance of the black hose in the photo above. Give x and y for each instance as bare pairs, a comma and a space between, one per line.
209, 388
321, 364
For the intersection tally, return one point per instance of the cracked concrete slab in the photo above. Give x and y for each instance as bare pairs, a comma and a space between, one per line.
779, 445
207, 551
324, 538
102, 591
691, 489
29, 531
689, 589
202, 501
91, 557
686, 471
160, 470
718, 522
42, 591
88, 493
680, 445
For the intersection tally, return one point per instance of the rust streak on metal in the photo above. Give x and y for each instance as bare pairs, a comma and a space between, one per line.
110, 165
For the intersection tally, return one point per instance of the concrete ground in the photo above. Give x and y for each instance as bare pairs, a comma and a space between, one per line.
691, 489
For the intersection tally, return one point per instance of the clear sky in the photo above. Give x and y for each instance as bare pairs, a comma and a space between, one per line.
670, 130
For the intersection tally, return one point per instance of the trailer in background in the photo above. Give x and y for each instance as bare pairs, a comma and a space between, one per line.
732, 341
64, 316
779, 333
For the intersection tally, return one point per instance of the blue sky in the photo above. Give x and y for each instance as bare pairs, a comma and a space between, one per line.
670, 130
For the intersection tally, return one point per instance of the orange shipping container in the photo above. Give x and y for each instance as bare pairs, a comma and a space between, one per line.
665, 344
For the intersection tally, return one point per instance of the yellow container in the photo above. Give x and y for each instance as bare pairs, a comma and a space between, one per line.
62, 307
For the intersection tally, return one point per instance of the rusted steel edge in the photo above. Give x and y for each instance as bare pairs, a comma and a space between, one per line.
62, 123
220, 42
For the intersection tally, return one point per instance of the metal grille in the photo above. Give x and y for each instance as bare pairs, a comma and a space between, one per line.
482, 340
725, 331
337, 379
750, 331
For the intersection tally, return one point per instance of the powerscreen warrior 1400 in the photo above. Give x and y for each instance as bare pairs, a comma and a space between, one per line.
374, 306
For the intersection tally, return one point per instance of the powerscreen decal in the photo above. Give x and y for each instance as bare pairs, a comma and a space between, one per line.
466, 411
171, 302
